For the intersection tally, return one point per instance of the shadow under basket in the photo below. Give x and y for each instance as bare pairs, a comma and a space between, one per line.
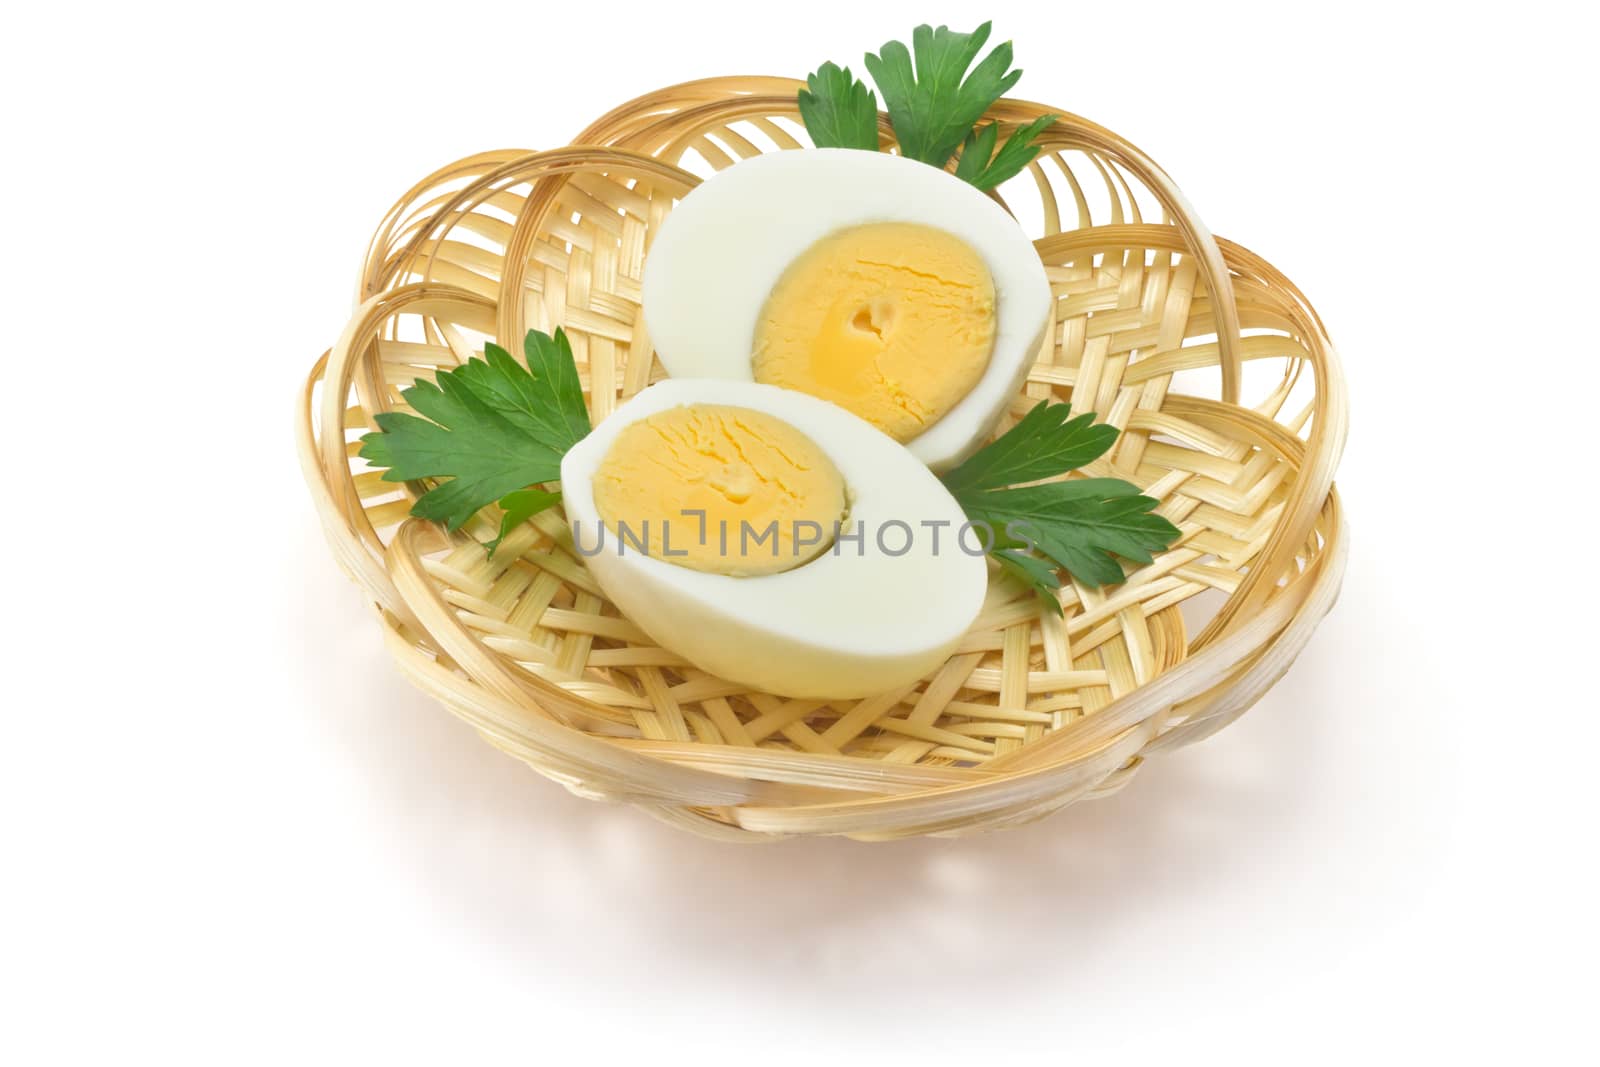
1216, 368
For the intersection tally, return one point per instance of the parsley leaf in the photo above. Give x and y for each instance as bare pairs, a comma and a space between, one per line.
934, 106
518, 508
1032, 570
839, 110
545, 401
1047, 442
492, 427
977, 168
975, 153
1080, 525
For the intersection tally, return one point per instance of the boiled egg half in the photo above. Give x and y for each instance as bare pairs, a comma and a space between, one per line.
888, 287
773, 539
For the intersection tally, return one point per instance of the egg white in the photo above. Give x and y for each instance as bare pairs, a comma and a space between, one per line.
844, 624
721, 251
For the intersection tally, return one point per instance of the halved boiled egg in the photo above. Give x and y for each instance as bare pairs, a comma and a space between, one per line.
773, 539
881, 284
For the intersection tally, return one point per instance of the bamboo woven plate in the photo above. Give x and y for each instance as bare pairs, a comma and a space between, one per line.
1214, 365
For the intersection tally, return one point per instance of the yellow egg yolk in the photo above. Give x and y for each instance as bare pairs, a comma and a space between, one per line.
892, 321
721, 489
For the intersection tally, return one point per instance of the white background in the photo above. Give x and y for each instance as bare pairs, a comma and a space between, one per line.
231, 833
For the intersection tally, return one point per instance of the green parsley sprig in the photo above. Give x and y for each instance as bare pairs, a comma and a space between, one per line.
1078, 525
935, 98
839, 110
496, 428
982, 166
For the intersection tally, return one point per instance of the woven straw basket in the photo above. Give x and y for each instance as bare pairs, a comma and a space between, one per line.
1214, 365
